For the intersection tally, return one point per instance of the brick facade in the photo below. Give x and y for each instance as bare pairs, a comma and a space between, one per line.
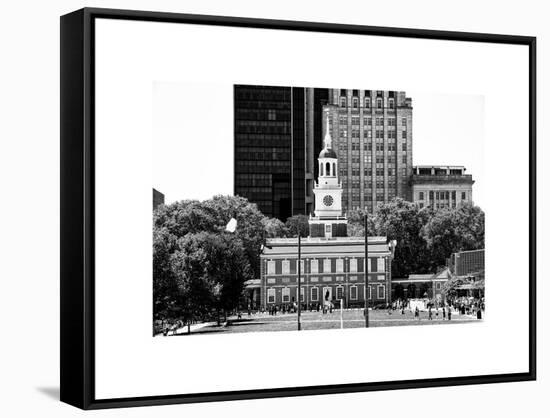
331, 270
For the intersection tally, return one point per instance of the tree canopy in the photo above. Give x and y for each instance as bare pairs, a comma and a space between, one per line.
298, 224
197, 265
425, 237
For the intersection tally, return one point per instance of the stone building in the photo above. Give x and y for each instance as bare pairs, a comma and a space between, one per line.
441, 186
372, 131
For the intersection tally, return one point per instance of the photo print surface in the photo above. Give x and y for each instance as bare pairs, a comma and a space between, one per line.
262, 195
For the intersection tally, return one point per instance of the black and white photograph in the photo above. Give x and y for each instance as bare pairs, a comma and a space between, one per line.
284, 208
257, 194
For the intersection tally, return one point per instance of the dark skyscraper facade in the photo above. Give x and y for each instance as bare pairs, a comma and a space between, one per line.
278, 136
275, 130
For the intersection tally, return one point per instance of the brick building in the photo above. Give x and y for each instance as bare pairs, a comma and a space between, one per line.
420, 286
466, 263
441, 186
332, 265
331, 269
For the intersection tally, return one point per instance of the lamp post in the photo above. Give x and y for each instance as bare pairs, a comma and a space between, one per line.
366, 275
299, 280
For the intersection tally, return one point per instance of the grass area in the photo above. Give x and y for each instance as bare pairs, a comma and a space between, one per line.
317, 321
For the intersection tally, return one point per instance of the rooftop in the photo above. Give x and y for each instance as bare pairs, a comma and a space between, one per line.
326, 246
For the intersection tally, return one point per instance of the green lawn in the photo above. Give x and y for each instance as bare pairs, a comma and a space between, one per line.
318, 321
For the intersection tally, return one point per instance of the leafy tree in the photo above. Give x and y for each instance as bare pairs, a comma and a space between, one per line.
191, 216
197, 265
450, 287
452, 230
403, 221
211, 270
298, 224
356, 223
164, 280
274, 228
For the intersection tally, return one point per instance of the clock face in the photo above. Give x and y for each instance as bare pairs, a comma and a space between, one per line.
328, 200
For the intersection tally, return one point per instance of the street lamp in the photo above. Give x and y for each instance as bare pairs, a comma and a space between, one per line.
299, 280
366, 275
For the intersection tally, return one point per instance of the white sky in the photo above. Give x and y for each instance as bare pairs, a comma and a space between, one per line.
193, 137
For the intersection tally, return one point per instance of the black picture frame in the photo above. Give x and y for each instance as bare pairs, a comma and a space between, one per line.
77, 207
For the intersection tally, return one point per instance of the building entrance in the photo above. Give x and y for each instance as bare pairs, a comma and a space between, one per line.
327, 295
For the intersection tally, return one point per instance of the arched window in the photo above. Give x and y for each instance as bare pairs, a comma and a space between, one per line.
391, 103
379, 103
355, 102
328, 169
367, 102
342, 101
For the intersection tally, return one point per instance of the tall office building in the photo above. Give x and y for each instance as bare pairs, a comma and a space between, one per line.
277, 136
373, 140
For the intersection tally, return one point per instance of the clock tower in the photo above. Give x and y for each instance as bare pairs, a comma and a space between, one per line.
328, 221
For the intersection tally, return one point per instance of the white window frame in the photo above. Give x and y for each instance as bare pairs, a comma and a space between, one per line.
341, 289
381, 277
314, 266
271, 294
285, 269
327, 262
339, 265
271, 267
285, 293
381, 267
370, 292
316, 298
351, 289
369, 264
302, 294
381, 286
314, 279
353, 265
353, 278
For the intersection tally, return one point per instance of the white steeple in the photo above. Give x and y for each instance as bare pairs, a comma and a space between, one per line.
328, 137
328, 220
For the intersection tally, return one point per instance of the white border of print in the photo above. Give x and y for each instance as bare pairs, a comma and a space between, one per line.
132, 55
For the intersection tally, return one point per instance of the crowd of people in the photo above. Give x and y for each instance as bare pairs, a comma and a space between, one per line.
459, 306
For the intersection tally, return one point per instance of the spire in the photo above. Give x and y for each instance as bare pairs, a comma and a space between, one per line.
328, 138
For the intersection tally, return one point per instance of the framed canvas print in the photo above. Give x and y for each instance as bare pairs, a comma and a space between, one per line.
256, 208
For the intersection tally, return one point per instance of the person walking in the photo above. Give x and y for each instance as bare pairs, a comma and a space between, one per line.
417, 313
449, 314
430, 316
